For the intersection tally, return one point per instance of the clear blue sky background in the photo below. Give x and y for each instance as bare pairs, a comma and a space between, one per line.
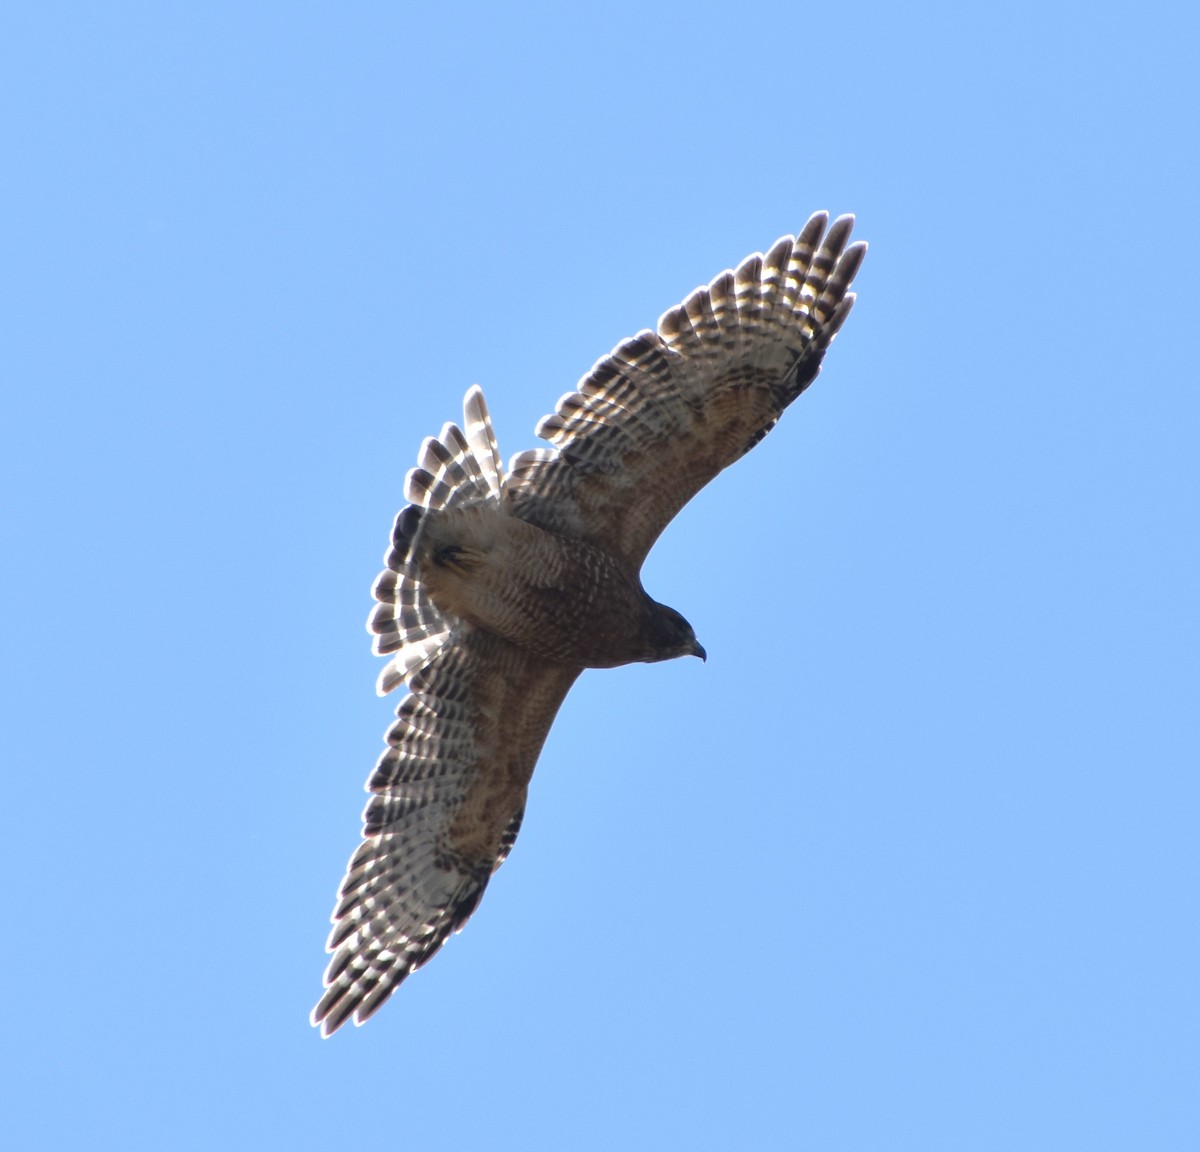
912, 863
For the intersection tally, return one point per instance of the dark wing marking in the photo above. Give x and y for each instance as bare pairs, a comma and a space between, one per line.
665, 411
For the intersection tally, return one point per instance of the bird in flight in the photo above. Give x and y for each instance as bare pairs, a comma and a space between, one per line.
502, 586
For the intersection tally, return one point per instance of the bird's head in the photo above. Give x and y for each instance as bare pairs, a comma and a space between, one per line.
674, 636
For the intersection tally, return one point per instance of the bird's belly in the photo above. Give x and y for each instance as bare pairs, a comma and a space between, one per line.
562, 598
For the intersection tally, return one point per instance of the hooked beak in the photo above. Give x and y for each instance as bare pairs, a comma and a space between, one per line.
698, 650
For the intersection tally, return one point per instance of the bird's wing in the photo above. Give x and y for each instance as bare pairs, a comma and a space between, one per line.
665, 411
447, 800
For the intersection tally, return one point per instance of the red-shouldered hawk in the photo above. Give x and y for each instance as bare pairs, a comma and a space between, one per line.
501, 587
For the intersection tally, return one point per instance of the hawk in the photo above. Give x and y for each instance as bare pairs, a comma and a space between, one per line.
502, 586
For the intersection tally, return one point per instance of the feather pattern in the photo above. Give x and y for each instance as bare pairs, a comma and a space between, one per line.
453, 470
664, 412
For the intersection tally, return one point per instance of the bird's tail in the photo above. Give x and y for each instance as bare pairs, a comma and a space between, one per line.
457, 469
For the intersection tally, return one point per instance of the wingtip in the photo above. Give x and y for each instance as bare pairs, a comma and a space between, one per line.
837, 235
389, 679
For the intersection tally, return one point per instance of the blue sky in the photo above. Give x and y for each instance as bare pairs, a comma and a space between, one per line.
911, 862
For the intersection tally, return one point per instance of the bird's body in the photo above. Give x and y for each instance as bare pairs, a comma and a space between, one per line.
562, 599
502, 586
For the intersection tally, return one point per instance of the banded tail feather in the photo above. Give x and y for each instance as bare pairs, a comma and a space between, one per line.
455, 469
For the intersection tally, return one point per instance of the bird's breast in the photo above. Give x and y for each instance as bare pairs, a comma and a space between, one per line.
565, 599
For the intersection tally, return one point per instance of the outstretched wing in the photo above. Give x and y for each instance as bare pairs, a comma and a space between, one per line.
448, 797
665, 411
